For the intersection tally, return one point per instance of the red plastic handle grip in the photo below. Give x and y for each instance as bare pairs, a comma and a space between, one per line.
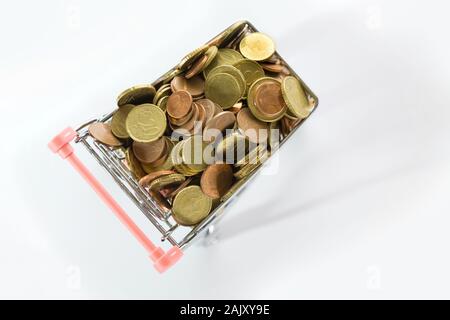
162, 260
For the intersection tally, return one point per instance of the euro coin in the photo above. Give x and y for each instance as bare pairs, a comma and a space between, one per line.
266, 101
179, 104
191, 206
102, 132
146, 123
165, 181
216, 180
149, 152
118, 121
251, 70
223, 89
224, 56
257, 46
136, 95
255, 130
295, 97
191, 57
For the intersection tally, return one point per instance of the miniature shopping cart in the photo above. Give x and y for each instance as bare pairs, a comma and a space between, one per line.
174, 237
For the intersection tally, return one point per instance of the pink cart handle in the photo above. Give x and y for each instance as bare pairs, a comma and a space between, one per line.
162, 260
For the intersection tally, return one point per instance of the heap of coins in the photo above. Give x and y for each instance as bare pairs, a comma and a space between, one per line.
195, 136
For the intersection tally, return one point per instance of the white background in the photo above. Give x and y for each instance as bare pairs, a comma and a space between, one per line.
359, 207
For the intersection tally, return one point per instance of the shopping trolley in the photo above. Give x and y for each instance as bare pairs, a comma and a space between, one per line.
173, 237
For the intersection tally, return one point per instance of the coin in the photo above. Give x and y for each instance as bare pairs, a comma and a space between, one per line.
209, 107
185, 128
136, 95
165, 181
191, 57
273, 67
164, 90
257, 46
224, 89
147, 179
191, 206
192, 153
219, 123
265, 100
233, 72
149, 152
133, 164
232, 148
216, 180
255, 130
251, 70
175, 191
146, 123
223, 57
118, 121
102, 132
227, 34
162, 103
295, 97
165, 163
179, 104
196, 67
195, 85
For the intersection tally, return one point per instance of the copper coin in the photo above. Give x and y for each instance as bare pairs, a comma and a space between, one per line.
272, 67
146, 180
189, 125
181, 121
201, 118
197, 67
149, 152
219, 123
216, 180
179, 104
209, 107
268, 98
217, 108
195, 85
102, 133
255, 130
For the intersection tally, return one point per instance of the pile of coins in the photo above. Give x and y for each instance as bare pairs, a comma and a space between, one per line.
193, 137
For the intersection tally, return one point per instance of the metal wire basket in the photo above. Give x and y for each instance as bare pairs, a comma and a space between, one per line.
176, 237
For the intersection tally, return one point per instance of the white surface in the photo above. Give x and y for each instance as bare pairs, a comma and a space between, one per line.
358, 209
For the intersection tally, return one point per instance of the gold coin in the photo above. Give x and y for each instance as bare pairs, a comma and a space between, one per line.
102, 132
163, 91
147, 179
133, 164
118, 121
233, 72
201, 63
136, 95
191, 206
295, 97
191, 57
224, 56
146, 123
223, 37
232, 148
257, 46
223, 89
192, 153
251, 70
162, 103
166, 180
